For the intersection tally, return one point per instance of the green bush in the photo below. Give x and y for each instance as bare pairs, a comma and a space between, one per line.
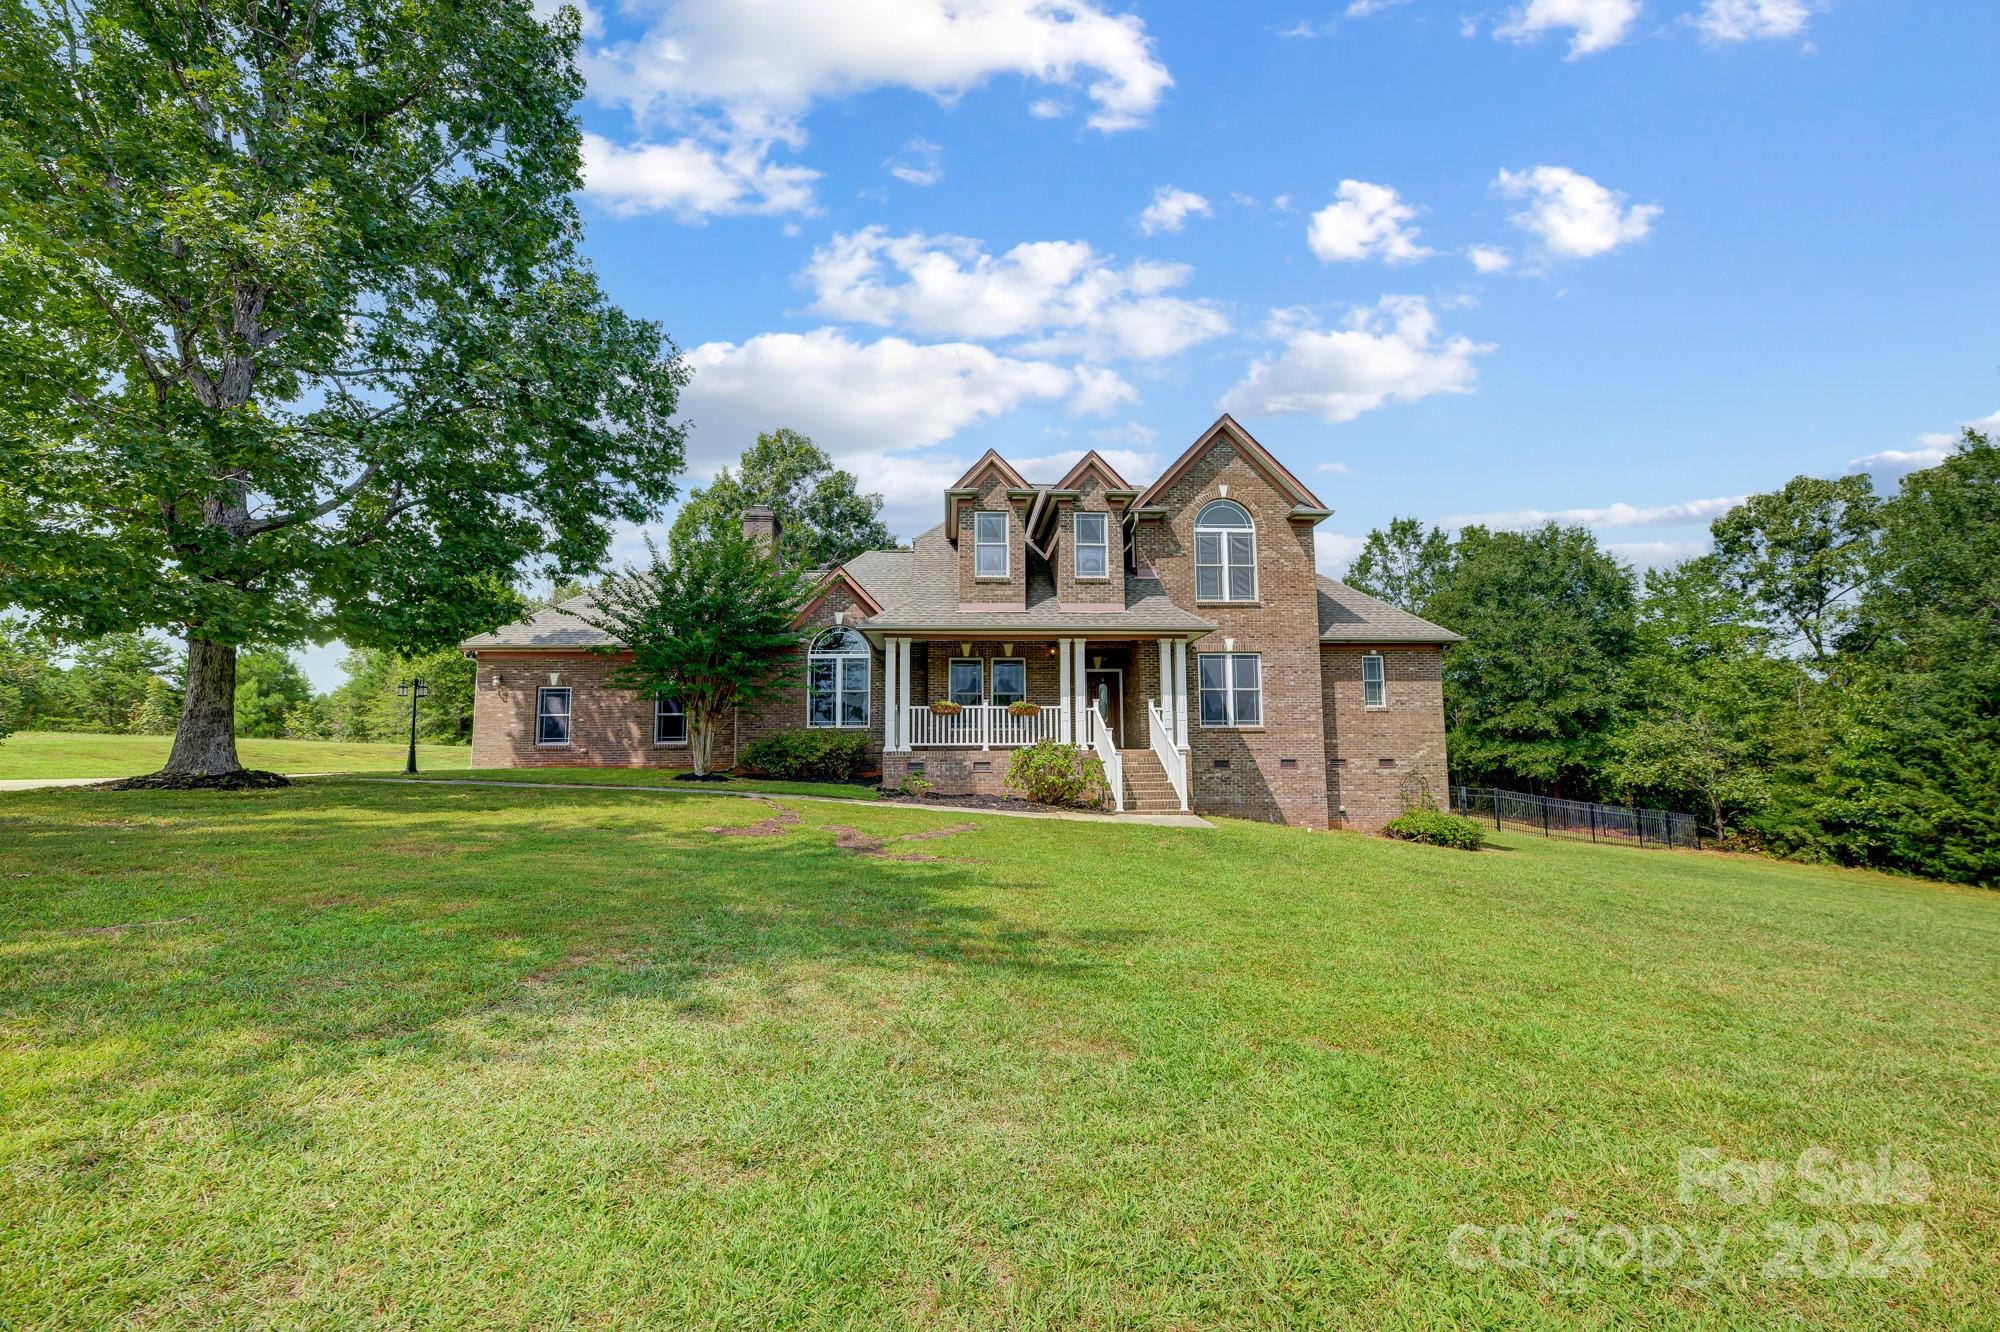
828, 756
1434, 827
1057, 774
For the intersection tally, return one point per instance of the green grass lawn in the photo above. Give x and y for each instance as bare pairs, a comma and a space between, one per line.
32, 754
457, 1057
661, 777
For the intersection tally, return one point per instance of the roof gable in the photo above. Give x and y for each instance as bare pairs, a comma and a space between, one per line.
990, 460
1259, 457
1088, 463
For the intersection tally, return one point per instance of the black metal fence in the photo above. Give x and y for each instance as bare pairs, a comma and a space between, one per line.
1616, 824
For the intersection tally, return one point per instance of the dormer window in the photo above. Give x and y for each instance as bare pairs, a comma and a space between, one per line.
989, 545
1093, 546
1225, 553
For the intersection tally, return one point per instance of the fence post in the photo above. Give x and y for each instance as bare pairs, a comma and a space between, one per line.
1545, 816
1591, 810
1639, 817
1495, 792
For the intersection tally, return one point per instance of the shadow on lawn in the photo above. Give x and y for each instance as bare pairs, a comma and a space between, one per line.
233, 948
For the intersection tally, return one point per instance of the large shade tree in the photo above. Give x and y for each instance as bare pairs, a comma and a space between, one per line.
294, 338
824, 515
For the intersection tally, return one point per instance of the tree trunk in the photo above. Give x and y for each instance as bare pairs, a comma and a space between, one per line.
701, 741
205, 743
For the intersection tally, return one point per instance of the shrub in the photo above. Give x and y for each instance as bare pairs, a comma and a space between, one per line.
1434, 827
828, 756
1057, 774
917, 786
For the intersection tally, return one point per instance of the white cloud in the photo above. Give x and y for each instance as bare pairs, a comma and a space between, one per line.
862, 401
1657, 554
1061, 294
1047, 108
757, 69
690, 179
1595, 25
920, 163
1753, 20
1098, 391
1934, 448
1365, 8
1136, 465
1335, 469
1367, 222
1490, 258
1575, 217
1610, 515
1390, 352
1171, 209
1333, 552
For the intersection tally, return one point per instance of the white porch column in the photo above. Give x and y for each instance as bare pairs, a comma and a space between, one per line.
1166, 687
1078, 686
1069, 729
892, 732
1180, 654
903, 690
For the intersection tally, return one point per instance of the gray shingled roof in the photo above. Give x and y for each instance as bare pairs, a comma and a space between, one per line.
918, 590
1347, 616
559, 626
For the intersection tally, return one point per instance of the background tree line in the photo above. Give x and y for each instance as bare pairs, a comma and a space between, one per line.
1825, 684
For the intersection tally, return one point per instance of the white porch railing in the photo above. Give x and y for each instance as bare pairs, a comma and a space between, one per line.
1107, 754
1173, 758
983, 726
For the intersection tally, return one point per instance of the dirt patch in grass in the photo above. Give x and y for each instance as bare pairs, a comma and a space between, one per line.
244, 779
853, 839
781, 821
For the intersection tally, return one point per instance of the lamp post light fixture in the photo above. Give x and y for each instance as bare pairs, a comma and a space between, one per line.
415, 689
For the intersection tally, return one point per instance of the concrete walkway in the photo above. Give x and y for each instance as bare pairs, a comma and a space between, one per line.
1073, 816
40, 783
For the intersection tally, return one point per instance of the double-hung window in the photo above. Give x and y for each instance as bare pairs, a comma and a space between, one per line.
1374, 682
837, 679
1232, 689
670, 722
1225, 553
1010, 681
552, 716
989, 545
968, 681
1093, 546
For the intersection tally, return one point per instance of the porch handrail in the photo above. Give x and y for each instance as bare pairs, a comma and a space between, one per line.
1173, 758
980, 726
1107, 754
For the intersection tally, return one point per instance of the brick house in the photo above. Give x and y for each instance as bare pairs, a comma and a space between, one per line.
1179, 631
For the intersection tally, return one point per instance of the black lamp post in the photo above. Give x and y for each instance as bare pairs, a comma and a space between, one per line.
415, 689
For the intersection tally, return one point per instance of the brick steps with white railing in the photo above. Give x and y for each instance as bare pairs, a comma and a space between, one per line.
1147, 790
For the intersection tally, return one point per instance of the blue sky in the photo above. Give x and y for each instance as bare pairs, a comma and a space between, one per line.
1742, 239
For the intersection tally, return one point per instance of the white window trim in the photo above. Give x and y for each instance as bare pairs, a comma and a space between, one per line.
993, 673
840, 661
1229, 693
658, 702
980, 664
1076, 566
1006, 544
1381, 704
568, 716
1222, 535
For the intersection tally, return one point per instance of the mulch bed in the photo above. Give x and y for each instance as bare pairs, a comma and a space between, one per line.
983, 802
246, 779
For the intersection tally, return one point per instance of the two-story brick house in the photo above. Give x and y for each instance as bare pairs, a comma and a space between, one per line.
1179, 631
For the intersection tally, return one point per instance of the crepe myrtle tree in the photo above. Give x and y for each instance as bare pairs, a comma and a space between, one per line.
295, 342
715, 627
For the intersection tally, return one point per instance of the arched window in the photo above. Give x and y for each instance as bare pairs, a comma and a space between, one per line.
837, 679
1225, 553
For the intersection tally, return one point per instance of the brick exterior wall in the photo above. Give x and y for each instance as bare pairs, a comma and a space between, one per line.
1277, 771
609, 728
953, 771
999, 593
1362, 791
1071, 590
785, 708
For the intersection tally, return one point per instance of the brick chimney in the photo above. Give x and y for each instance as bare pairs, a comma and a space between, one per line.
760, 524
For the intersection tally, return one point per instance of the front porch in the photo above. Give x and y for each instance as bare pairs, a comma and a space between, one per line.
949, 704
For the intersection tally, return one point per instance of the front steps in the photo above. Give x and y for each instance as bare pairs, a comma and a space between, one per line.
1147, 790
